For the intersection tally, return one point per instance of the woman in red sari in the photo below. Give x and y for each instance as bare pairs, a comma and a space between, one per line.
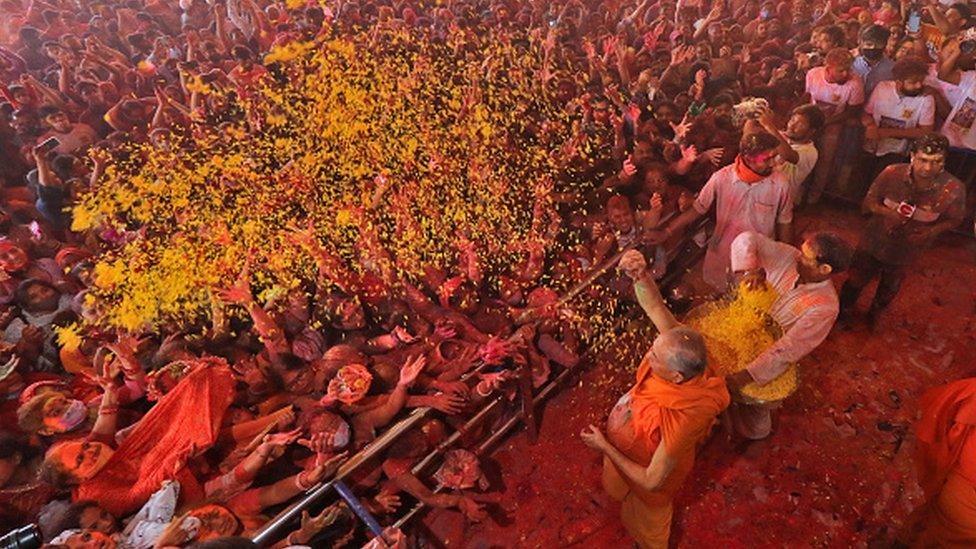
157, 448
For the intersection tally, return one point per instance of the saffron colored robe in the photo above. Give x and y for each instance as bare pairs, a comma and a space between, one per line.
653, 412
946, 465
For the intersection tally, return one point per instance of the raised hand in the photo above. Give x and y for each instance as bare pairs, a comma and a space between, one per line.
127, 344
322, 471
389, 502
311, 526
633, 264
657, 203
447, 403
240, 292
403, 336
411, 369
281, 439
494, 380
689, 153
628, 170
496, 350
681, 128
714, 155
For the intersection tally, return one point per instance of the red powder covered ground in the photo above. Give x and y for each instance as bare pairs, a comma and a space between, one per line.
837, 472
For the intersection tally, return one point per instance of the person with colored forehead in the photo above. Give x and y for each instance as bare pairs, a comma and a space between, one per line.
654, 429
748, 195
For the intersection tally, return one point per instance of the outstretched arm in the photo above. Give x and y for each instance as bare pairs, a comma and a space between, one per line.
648, 294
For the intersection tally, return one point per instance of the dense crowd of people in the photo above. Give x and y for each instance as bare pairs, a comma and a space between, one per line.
739, 112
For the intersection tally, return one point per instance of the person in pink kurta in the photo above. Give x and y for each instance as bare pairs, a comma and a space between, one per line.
806, 307
747, 195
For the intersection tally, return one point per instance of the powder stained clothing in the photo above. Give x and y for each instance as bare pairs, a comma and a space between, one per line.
831, 97
657, 412
740, 207
942, 199
945, 461
959, 126
806, 312
797, 173
893, 110
873, 75
78, 138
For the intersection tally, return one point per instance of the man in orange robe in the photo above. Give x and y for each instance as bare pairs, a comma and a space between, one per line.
653, 431
945, 459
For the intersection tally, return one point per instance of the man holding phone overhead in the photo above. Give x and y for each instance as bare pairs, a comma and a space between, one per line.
910, 205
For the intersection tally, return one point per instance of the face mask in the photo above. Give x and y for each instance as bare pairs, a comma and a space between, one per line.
872, 54
73, 416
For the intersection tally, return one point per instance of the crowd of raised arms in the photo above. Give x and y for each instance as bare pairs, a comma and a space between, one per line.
201, 418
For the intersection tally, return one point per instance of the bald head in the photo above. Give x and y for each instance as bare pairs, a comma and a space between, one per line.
682, 350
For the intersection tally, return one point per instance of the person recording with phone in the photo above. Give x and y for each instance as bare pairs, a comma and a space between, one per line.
909, 205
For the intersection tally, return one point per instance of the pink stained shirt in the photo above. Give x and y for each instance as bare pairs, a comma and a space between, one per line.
740, 207
805, 311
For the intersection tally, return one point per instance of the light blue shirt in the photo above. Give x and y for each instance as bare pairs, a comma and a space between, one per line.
873, 74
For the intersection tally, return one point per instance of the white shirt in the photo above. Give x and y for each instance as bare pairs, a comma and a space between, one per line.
830, 97
806, 312
740, 207
958, 127
145, 527
797, 173
892, 110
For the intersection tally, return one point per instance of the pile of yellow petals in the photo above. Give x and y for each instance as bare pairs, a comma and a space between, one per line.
737, 331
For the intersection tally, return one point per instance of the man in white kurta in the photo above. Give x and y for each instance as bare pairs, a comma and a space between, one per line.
748, 195
740, 206
806, 307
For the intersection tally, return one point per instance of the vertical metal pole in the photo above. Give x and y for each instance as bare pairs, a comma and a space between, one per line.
357, 507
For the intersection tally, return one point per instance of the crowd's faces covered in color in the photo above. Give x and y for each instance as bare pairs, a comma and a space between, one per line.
762, 162
927, 165
89, 539
12, 258
62, 414
79, 460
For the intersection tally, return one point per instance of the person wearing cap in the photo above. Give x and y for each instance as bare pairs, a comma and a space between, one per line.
806, 307
910, 206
